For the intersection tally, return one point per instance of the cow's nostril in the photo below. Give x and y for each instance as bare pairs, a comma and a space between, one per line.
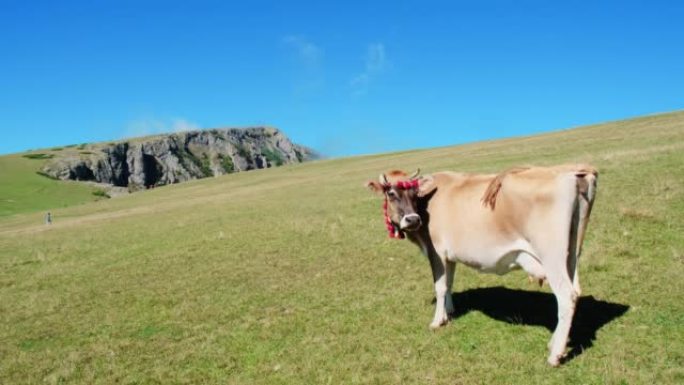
410, 222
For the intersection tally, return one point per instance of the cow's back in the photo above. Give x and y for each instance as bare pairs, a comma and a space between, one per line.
457, 216
538, 188
467, 209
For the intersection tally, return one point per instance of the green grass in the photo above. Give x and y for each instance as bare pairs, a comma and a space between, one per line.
38, 156
227, 164
101, 193
272, 156
201, 162
205, 165
286, 275
243, 151
23, 189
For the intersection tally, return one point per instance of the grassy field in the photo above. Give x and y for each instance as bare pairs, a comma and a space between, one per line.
22, 190
286, 276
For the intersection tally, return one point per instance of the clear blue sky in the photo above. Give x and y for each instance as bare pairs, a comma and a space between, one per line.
351, 78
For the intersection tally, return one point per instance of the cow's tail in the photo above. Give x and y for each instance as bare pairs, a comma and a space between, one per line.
586, 192
492, 191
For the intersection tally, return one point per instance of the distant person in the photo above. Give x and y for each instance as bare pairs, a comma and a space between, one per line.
48, 218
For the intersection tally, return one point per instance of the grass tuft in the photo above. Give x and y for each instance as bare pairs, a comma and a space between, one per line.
227, 164
39, 156
46, 175
273, 156
243, 151
101, 193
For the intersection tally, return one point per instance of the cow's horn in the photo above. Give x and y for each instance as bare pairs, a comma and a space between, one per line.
415, 174
383, 179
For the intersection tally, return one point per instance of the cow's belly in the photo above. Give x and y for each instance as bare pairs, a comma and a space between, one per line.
476, 240
491, 260
492, 263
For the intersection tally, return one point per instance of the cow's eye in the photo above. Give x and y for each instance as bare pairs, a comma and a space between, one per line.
392, 194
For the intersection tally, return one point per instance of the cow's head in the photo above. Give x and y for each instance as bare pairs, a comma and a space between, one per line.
401, 193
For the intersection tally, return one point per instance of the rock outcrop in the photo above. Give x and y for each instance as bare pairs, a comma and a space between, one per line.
154, 161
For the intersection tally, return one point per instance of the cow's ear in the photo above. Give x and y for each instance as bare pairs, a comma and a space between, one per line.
426, 185
374, 186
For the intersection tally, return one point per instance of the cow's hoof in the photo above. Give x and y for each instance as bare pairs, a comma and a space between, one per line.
554, 361
437, 324
538, 281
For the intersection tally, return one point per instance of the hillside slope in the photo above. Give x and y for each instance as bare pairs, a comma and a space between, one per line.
136, 164
23, 190
286, 275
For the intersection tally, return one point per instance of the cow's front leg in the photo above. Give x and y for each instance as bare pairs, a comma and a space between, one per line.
440, 279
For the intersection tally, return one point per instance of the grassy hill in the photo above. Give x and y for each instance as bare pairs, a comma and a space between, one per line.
138, 163
286, 275
23, 190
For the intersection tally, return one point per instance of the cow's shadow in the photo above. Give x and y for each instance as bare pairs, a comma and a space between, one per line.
539, 309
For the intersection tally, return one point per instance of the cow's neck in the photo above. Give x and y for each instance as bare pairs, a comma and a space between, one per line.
421, 237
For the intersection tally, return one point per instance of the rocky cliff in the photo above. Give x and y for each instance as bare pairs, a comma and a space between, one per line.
154, 161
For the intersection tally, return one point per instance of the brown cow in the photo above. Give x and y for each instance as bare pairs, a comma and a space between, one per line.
532, 218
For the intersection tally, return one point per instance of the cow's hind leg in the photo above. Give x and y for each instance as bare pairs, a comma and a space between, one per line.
565, 296
450, 268
557, 252
532, 267
556, 255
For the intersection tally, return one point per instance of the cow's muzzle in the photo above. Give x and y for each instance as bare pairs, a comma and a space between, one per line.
410, 222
